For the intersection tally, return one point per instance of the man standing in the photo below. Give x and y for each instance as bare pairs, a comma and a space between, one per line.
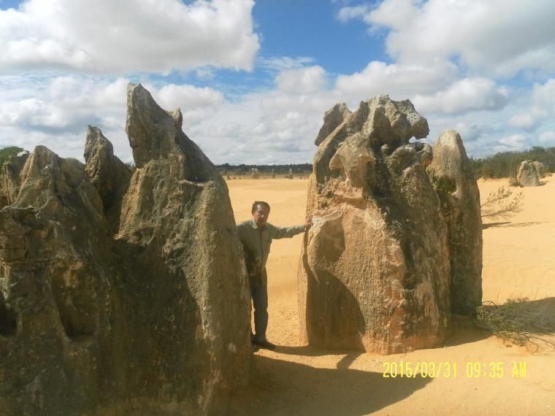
257, 235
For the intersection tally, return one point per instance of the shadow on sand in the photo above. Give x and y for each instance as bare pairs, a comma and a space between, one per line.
307, 351
286, 388
508, 224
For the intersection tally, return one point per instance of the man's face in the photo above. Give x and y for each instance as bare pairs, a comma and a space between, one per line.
260, 215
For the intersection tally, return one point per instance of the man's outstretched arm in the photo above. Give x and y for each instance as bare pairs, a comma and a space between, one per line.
288, 232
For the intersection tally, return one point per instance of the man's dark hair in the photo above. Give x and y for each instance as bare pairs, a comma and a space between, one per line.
255, 204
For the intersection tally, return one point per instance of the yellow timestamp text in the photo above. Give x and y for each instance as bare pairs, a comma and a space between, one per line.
453, 369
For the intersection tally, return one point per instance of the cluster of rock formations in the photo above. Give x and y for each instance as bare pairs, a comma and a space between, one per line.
529, 174
121, 292
396, 245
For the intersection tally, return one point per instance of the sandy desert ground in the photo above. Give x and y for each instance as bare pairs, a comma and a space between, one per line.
519, 261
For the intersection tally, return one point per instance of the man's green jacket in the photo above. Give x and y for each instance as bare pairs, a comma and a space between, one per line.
256, 246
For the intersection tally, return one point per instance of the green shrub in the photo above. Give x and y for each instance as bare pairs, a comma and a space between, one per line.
7, 152
505, 164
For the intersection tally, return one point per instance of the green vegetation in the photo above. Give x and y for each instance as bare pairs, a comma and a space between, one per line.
505, 164
500, 165
444, 184
226, 169
7, 152
519, 320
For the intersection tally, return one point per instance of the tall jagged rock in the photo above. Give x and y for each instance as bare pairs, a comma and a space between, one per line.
453, 178
190, 287
58, 277
527, 174
375, 273
152, 318
108, 174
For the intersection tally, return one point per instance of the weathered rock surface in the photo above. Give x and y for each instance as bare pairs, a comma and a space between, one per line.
108, 174
527, 174
153, 319
453, 178
332, 119
58, 277
10, 178
540, 169
375, 269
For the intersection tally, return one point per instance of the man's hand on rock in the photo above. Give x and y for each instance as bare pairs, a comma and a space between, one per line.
308, 222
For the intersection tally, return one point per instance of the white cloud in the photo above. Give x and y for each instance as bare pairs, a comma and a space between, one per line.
305, 80
547, 138
445, 58
285, 63
57, 114
352, 12
543, 96
538, 109
128, 35
187, 97
204, 73
524, 121
264, 127
398, 81
468, 132
498, 36
196, 103
516, 142
469, 94
397, 14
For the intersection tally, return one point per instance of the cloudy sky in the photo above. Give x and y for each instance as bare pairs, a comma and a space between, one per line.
254, 78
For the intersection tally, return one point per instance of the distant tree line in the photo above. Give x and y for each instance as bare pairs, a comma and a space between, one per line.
264, 170
505, 164
500, 165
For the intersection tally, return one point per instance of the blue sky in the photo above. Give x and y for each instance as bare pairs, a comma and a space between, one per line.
254, 78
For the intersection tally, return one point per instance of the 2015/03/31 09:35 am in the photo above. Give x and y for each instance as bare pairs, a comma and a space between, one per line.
452, 369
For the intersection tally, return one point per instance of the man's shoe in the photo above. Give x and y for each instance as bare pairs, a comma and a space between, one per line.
267, 345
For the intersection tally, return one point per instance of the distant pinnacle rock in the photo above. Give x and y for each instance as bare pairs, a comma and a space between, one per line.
527, 174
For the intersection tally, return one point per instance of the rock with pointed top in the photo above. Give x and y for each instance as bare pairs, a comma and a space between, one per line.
332, 119
453, 178
108, 173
